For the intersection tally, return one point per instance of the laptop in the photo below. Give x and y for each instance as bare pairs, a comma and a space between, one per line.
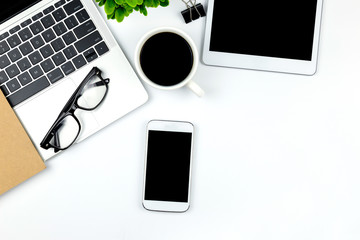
47, 47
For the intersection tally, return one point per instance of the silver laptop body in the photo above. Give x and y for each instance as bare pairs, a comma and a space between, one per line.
38, 112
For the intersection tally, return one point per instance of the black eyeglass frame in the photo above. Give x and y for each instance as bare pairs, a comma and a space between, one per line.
69, 109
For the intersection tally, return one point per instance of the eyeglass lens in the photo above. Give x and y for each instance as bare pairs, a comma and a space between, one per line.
92, 94
65, 132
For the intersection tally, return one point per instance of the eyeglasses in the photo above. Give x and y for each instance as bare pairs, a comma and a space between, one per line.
88, 96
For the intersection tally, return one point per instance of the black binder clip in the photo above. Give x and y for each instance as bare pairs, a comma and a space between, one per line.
193, 11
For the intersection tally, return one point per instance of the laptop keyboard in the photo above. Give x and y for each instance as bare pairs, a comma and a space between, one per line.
45, 48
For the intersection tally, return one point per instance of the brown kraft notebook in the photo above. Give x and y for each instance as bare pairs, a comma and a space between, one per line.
19, 160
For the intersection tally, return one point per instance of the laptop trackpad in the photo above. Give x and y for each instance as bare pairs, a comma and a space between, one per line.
39, 114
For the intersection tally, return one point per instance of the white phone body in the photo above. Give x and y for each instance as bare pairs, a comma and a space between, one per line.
168, 160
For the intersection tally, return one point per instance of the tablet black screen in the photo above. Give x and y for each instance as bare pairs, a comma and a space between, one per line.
271, 28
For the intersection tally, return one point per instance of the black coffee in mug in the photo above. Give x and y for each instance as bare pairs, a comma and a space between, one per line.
166, 58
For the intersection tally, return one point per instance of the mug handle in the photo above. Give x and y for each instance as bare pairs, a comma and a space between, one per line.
195, 88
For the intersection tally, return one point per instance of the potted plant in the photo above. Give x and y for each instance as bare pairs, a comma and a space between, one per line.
119, 9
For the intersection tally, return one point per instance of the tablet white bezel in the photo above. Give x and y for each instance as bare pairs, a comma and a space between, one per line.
260, 62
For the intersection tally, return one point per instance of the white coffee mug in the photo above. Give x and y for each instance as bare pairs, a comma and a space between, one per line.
188, 80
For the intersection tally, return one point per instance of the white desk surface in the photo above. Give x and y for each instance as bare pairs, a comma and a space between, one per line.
277, 156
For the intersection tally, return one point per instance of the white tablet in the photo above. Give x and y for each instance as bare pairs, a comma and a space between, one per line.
269, 35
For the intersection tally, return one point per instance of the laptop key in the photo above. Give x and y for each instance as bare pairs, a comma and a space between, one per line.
90, 55
59, 3
13, 85
24, 78
71, 22
48, 35
60, 29
82, 16
25, 34
48, 21
35, 57
84, 29
88, 41
58, 44
47, 65
28, 91
46, 51
79, 61
13, 41
70, 52
101, 48
12, 70
55, 75
3, 77
69, 38
36, 72
4, 35
37, 42
26, 48
73, 6
48, 10
25, 23
4, 61
14, 55
37, 16
36, 27
59, 14
58, 58
24, 64
14, 29
68, 68
4, 47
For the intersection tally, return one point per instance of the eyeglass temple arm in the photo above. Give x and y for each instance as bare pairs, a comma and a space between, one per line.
45, 142
56, 140
101, 83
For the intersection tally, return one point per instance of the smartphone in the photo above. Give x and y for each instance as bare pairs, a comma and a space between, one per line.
168, 160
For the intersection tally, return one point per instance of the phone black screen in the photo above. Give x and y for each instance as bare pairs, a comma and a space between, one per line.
270, 28
10, 8
168, 166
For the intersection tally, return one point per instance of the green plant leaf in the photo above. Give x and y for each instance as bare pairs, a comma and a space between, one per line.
109, 7
164, 3
119, 2
143, 9
128, 8
132, 3
128, 12
111, 16
152, 3
101, 2
120, 14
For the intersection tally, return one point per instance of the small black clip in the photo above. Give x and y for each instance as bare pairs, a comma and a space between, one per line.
192, 13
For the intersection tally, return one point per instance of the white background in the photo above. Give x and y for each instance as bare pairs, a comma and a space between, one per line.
276, 155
